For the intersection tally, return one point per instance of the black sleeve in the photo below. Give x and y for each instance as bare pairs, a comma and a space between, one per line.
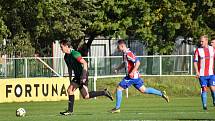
70, 73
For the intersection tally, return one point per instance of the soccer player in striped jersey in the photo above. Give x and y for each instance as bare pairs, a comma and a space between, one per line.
212, 91
213, 42
131, 64
78, 65
204, 65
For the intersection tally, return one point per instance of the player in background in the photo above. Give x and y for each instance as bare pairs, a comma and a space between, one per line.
213, 45
131, 64
213, 42
78, 65
204, 65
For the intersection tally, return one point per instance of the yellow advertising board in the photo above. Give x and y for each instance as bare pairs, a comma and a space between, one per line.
34, 89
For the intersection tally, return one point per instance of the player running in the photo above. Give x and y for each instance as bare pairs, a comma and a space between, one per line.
204, 65
78, 65
131, 64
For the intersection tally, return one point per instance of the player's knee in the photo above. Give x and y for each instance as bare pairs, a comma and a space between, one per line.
212, 88
204, 89
119, 88
86, 97
70, 92
142, 90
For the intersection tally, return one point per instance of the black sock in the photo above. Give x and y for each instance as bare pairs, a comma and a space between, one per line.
71, 103
93, 94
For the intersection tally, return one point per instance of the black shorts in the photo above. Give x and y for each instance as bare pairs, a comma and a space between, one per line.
78, 82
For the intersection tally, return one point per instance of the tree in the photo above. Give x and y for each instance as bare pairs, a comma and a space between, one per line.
156, 23
15, 20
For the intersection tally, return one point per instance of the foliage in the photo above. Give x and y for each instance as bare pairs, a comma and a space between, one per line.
154, 22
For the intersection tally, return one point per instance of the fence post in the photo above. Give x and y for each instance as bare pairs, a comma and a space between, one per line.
126, 93
26, 68
191, 65
160, 65
95, 75
5, 66
61, 67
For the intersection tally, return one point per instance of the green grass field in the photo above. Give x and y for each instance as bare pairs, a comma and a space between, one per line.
135, 108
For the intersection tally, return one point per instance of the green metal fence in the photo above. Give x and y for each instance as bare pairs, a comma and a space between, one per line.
165, 65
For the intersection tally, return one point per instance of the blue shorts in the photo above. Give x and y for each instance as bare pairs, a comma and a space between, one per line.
127, 82
207, 80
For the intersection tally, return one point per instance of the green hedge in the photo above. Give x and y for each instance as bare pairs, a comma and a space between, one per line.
174, 86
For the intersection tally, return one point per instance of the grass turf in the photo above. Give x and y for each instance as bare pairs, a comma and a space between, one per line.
135, 108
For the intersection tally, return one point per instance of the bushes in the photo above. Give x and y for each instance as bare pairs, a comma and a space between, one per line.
174, 86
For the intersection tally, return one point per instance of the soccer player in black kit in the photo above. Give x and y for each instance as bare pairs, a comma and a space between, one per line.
78, 65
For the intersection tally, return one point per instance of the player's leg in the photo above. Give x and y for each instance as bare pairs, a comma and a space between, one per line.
212, 87
119, 90
71, 89
139, 84
125, 83
86, 94
203, 83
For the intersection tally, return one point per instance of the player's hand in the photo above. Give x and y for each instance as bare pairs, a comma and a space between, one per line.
83, 81
131, 75
84, 76
115, 71
197, 74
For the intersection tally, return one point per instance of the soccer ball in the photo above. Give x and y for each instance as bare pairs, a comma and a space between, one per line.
20, 112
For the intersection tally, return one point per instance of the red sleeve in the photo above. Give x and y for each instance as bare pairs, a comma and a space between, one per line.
131, 56
196, 56
79, 58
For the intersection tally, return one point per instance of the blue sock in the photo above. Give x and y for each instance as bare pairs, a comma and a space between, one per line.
213, 96
153, 91
204, 98
118, 98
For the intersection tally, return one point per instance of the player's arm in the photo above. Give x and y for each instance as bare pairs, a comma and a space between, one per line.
70, 73
195, 62
196, 69
122, 65
79, 58
131, 57
84, 71
137, 64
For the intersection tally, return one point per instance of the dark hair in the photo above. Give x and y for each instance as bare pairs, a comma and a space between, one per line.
213, 38
65, 42
121, 41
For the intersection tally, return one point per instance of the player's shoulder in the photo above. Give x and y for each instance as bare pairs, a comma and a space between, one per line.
210, 47
66, 55
199, 49
129, 52
74, 52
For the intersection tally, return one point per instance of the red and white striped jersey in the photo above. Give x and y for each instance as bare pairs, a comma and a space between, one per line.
205, 59
129, 59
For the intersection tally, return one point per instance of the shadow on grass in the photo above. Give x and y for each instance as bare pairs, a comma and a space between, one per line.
203, 119
82, 114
